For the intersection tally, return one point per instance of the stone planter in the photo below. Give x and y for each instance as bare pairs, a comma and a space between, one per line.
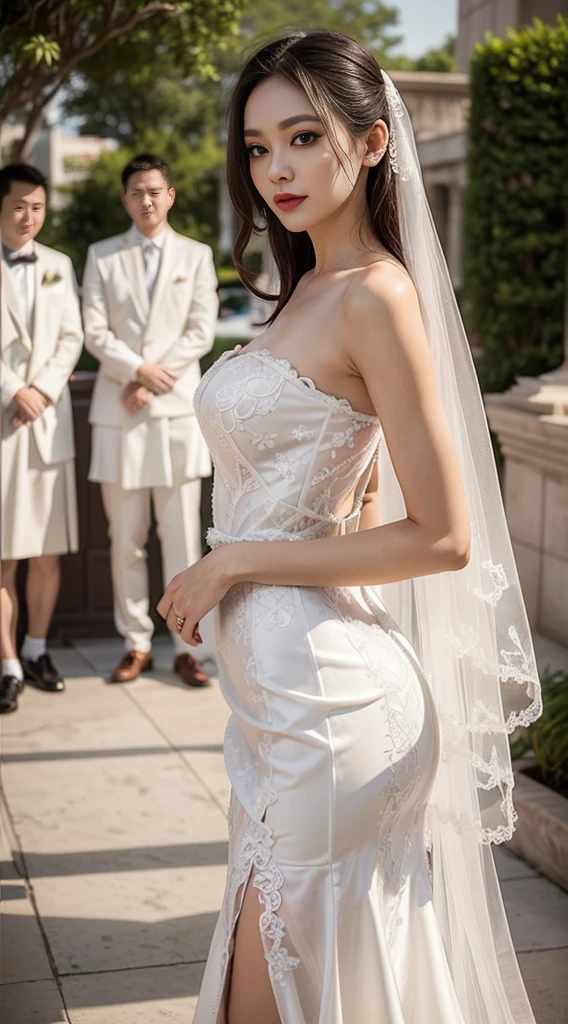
541, 835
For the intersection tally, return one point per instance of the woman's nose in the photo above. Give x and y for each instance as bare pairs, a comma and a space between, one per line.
278, 172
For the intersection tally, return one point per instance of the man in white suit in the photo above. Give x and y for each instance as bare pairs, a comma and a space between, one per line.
41, 339
150, 308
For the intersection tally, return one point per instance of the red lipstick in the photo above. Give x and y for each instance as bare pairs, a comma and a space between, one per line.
288, 201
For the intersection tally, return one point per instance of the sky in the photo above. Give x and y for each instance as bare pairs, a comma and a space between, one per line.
425, 23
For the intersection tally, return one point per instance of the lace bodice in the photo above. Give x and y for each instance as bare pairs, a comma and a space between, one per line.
290, 460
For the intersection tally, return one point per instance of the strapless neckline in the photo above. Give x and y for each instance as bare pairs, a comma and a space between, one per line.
306, 383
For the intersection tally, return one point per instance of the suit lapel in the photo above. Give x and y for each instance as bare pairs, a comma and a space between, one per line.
165, 272
14, 327
133, 266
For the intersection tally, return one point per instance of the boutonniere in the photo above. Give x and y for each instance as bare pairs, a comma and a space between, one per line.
180, 279
51, 277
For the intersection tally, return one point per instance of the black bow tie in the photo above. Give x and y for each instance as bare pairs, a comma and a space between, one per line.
14, 260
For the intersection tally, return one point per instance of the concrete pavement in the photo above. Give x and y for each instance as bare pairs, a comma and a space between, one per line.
114, 848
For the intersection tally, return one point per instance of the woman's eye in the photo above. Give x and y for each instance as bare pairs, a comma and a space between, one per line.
253, 150
304, 138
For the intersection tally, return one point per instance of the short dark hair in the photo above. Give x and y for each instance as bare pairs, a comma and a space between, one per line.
20, 172
145, 162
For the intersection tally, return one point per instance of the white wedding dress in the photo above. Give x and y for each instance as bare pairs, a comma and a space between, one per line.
333, 742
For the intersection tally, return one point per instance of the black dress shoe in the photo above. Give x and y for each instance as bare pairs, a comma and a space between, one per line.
10, 690
43, 674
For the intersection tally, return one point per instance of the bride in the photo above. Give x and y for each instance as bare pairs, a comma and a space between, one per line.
372, 640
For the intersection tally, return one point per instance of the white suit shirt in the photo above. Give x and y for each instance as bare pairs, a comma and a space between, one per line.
22, 276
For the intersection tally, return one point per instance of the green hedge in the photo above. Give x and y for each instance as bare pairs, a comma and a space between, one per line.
517, 202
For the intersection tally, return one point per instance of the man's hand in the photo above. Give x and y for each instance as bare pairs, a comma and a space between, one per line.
157, 378
134, 397
30, 404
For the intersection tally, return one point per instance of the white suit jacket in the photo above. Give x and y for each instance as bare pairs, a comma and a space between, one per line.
47, 357
123, 329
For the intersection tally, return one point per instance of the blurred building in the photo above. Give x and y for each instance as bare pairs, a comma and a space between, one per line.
63, 158
476, 17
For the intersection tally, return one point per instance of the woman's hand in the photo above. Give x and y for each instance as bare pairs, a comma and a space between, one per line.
193, 593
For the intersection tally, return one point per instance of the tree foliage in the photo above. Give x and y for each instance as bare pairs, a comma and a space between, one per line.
440, 58
42, 42
372, 22
516, 202
133, 86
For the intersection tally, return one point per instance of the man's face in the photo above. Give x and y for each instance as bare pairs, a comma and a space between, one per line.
22, 214
148, 200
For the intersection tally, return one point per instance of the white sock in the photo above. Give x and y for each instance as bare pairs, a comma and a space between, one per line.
33, 647
12, 667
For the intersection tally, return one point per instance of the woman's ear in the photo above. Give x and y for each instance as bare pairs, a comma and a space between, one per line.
376, 144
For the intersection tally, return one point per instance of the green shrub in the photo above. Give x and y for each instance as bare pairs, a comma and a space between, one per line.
517, 201
547, 738
549, 734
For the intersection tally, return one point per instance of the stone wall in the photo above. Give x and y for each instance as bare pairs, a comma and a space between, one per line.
531, 422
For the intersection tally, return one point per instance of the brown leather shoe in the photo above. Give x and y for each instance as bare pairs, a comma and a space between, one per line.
190, 672
130, 667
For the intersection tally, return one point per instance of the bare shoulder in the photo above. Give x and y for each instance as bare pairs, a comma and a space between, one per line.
384, 317
382, 287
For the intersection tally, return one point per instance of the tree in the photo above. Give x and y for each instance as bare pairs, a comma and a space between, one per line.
371, 22
42, 42
130, 87
442, 58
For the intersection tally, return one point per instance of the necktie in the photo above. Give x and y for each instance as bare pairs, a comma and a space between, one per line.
151, 254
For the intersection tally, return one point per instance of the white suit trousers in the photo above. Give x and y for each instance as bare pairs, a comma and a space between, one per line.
177, 511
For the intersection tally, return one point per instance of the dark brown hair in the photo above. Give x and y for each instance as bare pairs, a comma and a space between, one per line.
341, 79
145, 162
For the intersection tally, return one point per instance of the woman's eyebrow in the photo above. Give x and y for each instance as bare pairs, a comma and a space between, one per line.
287, 123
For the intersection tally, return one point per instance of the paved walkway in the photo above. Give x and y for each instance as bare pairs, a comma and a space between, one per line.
114, 847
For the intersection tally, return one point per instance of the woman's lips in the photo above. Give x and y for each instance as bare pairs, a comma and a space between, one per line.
291, 203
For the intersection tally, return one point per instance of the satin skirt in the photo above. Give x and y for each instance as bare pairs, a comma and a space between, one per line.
331, 750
